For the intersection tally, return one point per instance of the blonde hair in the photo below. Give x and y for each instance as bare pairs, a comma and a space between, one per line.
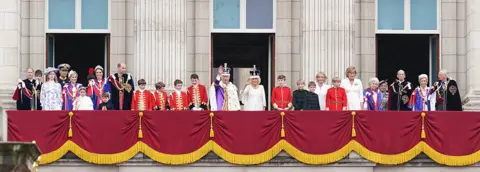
350, 69
321, 73
335, 79
373, 80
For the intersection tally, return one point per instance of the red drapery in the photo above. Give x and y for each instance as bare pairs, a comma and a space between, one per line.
313, 137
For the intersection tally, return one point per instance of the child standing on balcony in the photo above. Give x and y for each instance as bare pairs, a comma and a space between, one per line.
83, 102
106, 104
336, 98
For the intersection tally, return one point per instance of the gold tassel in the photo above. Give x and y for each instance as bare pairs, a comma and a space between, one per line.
140, 132
70, 132
282, 132
423, 135
212, 134
354, 133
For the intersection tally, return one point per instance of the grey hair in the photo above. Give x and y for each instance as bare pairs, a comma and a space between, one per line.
420, 77
444, 71
373, 80
401, 71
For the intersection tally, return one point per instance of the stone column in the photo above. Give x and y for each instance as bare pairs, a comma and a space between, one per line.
200, 42
160, 46
365, 40
327, 37
118, 34
285, 44
10, 43
36, 34
473, 55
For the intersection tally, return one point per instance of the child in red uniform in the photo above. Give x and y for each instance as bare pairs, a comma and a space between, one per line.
178, 99
160, 97
142, 99
197, 94
282, 95
336, 98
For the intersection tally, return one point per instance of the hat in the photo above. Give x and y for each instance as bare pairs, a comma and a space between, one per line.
64, 67
226, 70
90, 71
383, 81
82, 88
50, 69
98, 67
254, 73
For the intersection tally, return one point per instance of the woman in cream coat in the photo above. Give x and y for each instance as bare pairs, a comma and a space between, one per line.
354, 89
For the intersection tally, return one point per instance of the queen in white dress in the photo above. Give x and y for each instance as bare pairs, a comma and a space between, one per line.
354, 89
253, 95
51, 94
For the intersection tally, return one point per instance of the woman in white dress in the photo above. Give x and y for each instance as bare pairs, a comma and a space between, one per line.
83, 102
51, 94
253, 95
321, 89
354, 89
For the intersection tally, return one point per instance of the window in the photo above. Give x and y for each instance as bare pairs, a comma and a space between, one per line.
78, 16
408, 16
243, 16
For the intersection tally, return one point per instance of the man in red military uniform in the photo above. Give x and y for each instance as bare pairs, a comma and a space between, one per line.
197, 94
281, 95
178, 99
336, 97
142, 99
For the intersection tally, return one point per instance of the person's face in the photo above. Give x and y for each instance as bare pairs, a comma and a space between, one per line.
30, 73
225, 79
178, 87
383, 87
374, 85
73, 79
441, 76
142, 86
51, 76
401, 75
281, 82
423, 82
39, 78
300, 85
351, 75
194, 81
336, 83
105, 99
320, 79
122, 69
312, 88
83, 92
99, 74
161, 89
63, 73
255, 81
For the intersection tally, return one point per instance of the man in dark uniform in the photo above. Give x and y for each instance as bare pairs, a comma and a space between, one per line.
25, 94
448, 96
122, 87
299, 95
399, 93
62, 78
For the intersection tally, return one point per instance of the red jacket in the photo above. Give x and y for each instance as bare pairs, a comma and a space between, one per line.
142, 100
197, 96
282, 97
178, 102
160, 100
336, 99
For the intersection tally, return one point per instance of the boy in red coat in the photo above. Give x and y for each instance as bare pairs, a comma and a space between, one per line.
336, 98
282, 95
142, 99
160, 97
197, 94
178, 99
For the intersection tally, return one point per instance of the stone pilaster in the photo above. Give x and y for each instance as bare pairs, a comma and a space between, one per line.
36, 30
118, 34
284, 42
461, 48
327, 37
448, 50
365, 41
200, 41
160, 34
472, 98
297, 43
10, 42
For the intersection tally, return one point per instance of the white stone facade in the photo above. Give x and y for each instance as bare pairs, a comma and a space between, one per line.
342, 32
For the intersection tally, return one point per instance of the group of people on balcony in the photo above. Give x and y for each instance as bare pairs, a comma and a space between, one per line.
118, 93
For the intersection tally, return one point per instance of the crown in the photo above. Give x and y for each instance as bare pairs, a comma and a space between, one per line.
254, 73
226, 70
